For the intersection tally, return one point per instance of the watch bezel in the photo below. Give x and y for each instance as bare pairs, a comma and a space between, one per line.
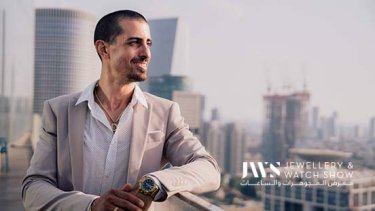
152, 191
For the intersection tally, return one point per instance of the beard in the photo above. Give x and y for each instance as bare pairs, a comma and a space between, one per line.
137, 76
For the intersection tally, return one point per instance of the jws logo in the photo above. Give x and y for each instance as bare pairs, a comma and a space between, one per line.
261, 166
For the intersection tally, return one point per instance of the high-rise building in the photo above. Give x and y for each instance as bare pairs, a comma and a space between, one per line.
315, 118
372, 129
328, 127
65, 58
335, 127
16, 67
169, 49
285, 123
168, 66
192, 108
3, 47
4, 116
165, 85
215, 114
332, 127
16, 47
314, 129
358, 132
214, 137
235, 148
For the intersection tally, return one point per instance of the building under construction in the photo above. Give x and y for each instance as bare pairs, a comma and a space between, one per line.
285, 123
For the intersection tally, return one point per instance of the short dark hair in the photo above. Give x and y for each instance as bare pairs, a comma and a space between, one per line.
108, 28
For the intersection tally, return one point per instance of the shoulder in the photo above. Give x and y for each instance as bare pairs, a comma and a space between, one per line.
162, 106
63, 101
158, 101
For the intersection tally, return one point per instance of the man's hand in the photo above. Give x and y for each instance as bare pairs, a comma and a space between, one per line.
146, 199
119, 200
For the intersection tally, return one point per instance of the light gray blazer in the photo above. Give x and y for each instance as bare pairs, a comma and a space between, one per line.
159, 135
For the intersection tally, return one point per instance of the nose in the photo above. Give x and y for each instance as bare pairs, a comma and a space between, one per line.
145, 51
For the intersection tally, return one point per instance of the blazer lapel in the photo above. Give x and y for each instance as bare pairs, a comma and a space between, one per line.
76, 122
141, 119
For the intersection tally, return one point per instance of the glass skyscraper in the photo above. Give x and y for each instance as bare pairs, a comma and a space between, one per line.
163, 86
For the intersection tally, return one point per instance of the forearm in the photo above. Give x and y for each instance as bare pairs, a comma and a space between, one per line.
38, 194
195, 169
197, 177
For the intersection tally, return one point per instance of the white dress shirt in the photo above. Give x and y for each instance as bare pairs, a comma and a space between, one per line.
106, 154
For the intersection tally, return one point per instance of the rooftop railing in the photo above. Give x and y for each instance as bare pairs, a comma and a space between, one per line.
186, 201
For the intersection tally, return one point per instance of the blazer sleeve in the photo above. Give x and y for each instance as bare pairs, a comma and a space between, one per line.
40, 189
194, 169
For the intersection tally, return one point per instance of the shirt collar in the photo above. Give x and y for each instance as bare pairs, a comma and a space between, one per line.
139, 96
88, 95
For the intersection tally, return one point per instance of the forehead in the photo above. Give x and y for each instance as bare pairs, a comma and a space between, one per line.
135, 28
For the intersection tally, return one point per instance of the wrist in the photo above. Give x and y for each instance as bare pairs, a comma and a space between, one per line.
91, 205
160, 195
147, 186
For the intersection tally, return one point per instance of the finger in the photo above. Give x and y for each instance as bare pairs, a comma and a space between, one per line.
129, 197
127, 187
122, 203
126, 205
115, 208
135, 188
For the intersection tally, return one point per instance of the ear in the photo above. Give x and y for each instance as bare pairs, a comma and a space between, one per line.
102, 49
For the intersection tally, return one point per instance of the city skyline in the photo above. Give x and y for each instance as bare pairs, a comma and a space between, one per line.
239, 48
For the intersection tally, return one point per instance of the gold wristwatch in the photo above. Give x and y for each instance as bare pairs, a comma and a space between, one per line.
148, 187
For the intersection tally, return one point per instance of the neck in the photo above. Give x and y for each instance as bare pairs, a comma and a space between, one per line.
114, 96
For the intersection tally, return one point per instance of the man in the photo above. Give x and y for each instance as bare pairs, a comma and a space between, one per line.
102, 149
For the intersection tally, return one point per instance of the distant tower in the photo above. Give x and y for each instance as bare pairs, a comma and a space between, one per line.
372, 129
16, 67
314, 124
65, 58
285, 123
192, 109
215, 141
3, 47
168, 66
169, 49
164, 86
315, 118
215, 114
333, 127
235, 148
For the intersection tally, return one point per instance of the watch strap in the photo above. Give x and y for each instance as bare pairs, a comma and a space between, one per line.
161, 194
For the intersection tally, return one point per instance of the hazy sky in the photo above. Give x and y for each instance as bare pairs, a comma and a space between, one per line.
236, 48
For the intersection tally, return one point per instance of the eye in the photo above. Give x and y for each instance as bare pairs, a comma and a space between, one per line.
133, 43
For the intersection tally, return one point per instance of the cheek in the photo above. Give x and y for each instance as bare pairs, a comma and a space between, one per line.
125, 58
121, 60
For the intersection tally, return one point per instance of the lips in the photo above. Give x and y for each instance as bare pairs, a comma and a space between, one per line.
141, 63
142, 66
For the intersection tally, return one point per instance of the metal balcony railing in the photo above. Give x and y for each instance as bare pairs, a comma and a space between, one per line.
186, 201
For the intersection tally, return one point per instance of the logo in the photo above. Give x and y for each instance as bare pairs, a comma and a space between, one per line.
298, 174
261, 166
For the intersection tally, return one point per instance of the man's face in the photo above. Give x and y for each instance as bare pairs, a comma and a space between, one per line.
130, 54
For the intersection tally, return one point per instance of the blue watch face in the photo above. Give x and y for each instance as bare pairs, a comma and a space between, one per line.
148, 184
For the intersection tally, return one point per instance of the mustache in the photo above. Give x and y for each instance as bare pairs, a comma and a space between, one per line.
140, 59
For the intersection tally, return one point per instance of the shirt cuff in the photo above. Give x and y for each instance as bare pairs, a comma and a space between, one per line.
89, 207
162, 194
